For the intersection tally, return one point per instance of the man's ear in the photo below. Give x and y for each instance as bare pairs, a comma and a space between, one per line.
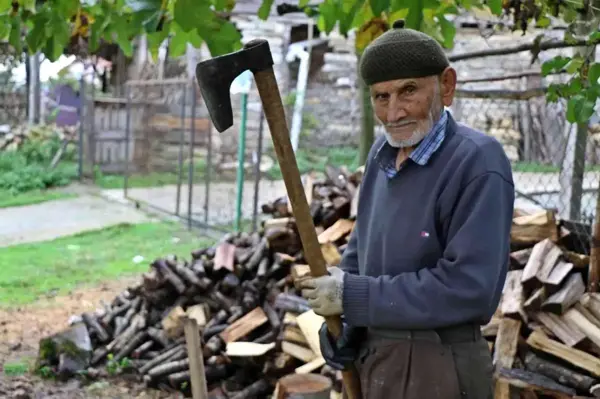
448, 86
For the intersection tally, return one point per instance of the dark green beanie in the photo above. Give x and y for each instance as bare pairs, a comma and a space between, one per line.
401, 53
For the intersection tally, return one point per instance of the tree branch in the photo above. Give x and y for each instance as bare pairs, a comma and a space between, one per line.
501, 94
548, 45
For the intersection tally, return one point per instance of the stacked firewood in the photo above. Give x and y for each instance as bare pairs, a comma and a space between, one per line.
255, 326
545, 335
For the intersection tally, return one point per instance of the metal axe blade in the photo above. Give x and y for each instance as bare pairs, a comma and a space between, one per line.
215, 76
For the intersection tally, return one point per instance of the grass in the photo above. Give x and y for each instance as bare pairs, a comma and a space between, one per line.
8, 199
31, 271
17, 368
316, 159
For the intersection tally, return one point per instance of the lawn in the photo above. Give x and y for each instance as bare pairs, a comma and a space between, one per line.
31, 271
8, 199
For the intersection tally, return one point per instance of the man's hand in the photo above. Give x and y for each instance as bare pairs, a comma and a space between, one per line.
340, 353
325, 293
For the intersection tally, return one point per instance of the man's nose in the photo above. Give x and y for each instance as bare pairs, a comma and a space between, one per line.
396, 110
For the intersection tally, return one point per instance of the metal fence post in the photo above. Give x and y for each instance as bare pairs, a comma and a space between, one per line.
191, 154
127, 138
82, 99
257, 175
180, 155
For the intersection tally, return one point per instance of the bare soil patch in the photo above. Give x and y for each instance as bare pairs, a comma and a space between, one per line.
22, 327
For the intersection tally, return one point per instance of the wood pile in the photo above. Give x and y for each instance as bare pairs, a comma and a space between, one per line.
545, 334
255, 326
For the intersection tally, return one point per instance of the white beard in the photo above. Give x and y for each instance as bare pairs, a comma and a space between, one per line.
423, 126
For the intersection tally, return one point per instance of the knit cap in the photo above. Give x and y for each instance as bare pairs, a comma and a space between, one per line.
401, 53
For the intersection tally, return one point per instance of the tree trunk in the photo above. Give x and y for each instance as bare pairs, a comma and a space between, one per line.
367, 125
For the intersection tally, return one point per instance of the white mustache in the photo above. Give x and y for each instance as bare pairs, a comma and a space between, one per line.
400, 124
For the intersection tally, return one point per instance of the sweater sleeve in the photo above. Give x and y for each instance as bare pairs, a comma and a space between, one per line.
463, 286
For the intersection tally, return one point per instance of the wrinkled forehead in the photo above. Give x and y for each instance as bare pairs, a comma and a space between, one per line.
389, 86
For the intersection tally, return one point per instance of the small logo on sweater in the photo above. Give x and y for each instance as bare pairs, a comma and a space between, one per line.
424, 234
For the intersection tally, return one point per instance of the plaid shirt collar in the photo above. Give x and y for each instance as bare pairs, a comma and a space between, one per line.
386, 154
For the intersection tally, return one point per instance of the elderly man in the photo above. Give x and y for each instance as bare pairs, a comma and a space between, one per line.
426, 262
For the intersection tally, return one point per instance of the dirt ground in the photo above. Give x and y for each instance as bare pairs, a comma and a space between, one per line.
21, 328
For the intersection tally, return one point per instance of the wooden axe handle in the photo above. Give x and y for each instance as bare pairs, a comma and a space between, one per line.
275, 115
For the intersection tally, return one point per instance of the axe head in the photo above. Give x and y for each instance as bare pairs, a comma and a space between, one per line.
215, 76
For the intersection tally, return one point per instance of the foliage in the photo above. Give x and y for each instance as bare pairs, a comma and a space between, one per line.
27, 168
583, 87
50, 26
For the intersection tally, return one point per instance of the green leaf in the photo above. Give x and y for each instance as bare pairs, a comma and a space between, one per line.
594, 74
448, 30
574, 65
495, 6
594, 37
414, 19
4, 27
265, 9
580, 109
14, 38
303, 3
379, 6
555, 64
155, 39
59, 37
36, 37
221, 37
5, 6
327, 16
190, 14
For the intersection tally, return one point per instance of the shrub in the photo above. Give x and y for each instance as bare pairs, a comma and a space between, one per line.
28, 168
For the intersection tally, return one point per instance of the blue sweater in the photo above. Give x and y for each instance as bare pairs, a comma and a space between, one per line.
430, 247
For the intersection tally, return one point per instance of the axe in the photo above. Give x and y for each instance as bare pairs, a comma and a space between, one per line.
214, 78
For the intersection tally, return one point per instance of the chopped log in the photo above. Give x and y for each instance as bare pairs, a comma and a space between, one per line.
142, 349
92, 323
257, 255
163, 357
560, 271
244, 325
528, 380
331, 254
172, 324
225, 257
519, 258
131, 345
559, 373
592, 302
169, 368
531, 229
303, 386
491, 328
578, 320
570, 293
506, 343
537, 268
587, 314
199, 313
255, 390
535, 301
566, 332
299, 352
513, 296
338, 230
574, 356
161, 266
248, 349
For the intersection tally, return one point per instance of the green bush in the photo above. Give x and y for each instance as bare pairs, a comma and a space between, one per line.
28, 168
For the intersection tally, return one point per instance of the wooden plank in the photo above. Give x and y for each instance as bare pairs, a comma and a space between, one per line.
244, 325
573, 356
506, 343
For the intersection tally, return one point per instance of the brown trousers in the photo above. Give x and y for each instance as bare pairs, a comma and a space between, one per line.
426, 365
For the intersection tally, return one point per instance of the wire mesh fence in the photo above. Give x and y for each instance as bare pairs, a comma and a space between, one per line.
555, 165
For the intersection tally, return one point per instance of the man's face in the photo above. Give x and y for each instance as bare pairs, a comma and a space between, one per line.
408, 108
